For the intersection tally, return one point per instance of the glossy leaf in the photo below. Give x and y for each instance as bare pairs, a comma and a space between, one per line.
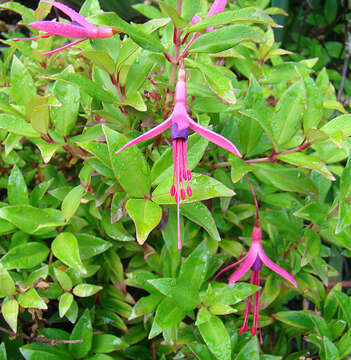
71, 201
82, 331
38, 350
288, 114
216, 337
65, 248
17, 188
84, 290
31, 299
10, 311
203, 187
129, 166
25, 256
145, 214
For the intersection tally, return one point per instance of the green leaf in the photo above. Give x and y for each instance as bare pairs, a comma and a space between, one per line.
39, 118
177, 20
36, 351
199, 213
65, 303
145, 214
288, 113
180, 290
309, 162
219, 84
194, 268
144, 40
82, 331
65, 248
344, 345
90, 87
101, 59
7, 285
167, 314
65, 116
85, 290
9, 311
31, 299
344, 303
90, 245
228, 294
106, 343
32, 220
248, 14
296, 319
314, 105
203, 187
285, 179
148, 10
216, 337
17, 188
20, 76
330, 350
16, 125
189, 9
71, 201
64, 280
25, 256
129, 166
340, 123
225, 38
311, 246
250, 350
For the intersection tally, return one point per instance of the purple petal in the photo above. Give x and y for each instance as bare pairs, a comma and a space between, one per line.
62, 29
148, 135
274, 267
72, 14
63, 47
229, 267
217, 7
214, 137
245, 267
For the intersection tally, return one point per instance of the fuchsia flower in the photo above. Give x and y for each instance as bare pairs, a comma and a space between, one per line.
254, 260
79, 28
180, 123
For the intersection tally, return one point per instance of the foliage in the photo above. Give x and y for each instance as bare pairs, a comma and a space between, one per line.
89, 238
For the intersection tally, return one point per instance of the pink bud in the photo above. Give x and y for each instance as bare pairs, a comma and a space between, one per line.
189, 191
182, 194
173, 190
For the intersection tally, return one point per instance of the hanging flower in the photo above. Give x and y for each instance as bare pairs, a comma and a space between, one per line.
79, 28
254, 260
180, 123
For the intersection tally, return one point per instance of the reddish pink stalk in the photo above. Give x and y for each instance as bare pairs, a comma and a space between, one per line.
180, 123
79, 28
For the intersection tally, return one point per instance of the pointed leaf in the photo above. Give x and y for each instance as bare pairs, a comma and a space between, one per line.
145, 214
31, 299
65, 248
82, 331
9, 311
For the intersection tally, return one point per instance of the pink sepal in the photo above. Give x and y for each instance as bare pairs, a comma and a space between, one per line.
213, 137
63, 47
63, 29
80, 19
148, 135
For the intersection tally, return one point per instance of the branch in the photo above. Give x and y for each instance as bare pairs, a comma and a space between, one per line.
271, 158
41, 339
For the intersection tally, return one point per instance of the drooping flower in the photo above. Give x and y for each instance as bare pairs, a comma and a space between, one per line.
79, 28
254, 260
180, 123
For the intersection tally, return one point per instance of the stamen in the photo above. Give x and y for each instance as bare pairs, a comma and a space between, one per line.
174, 144
246, 312
179, 242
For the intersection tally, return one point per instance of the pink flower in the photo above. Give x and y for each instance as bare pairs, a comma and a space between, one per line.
254, 260
217, 7
180, 123
79, 28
